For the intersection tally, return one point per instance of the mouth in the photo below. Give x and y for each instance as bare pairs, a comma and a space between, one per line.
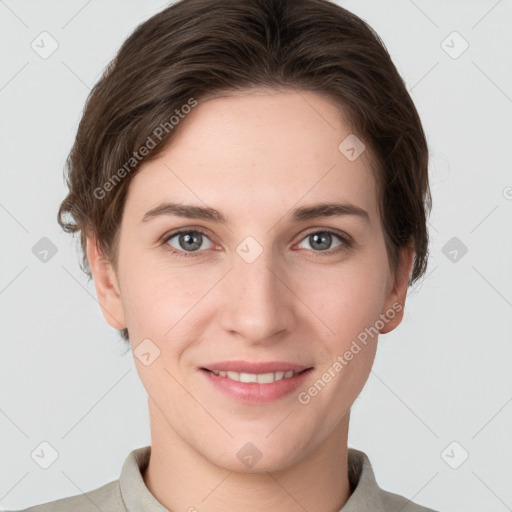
260, 378
255, 367
256, 387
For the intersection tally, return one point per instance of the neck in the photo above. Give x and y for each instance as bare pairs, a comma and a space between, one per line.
180, 478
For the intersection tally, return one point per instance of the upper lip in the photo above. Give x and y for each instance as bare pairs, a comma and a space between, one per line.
255, 367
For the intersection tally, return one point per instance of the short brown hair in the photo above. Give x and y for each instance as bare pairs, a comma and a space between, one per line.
194, 48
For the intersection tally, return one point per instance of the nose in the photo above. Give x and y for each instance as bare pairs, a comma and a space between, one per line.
257, 302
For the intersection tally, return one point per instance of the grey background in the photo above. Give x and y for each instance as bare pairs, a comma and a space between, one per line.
442, 376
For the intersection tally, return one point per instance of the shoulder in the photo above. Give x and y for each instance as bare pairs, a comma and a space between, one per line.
127, 492
366, 492
393, 502
106, 498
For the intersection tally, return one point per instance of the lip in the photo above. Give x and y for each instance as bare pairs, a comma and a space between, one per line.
255, 367
255, 393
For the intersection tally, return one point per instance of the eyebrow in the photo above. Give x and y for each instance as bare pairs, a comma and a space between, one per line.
299, 214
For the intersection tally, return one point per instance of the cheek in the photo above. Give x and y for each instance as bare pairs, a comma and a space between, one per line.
347, 299
350, 306
349, 303
159, 299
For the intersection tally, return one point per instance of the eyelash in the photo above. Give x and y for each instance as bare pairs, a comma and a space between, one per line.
345, 245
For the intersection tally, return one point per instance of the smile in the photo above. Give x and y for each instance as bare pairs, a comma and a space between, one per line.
256, 388
261, 378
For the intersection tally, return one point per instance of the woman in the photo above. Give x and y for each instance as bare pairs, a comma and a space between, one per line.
250, 184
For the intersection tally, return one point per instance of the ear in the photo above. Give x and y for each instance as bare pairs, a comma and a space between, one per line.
395, 301
107, 286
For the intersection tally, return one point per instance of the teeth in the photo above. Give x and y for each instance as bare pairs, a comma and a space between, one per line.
262, 378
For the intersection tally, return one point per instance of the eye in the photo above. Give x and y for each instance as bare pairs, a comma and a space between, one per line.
187, 241
321, 241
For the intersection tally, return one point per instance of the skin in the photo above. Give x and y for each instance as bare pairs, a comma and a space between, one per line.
254, 156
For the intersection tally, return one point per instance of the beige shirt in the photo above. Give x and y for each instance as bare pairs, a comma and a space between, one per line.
130, 494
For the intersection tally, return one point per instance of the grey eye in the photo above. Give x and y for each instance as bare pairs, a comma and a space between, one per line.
321, 240
188, 241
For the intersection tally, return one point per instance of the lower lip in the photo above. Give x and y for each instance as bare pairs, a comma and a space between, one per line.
254, 392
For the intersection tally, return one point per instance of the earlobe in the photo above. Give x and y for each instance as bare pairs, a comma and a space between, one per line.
107, 285
395, 302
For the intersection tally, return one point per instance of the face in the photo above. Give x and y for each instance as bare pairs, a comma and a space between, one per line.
262, 278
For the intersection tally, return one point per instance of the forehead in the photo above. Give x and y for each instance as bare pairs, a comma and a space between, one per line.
261, 151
